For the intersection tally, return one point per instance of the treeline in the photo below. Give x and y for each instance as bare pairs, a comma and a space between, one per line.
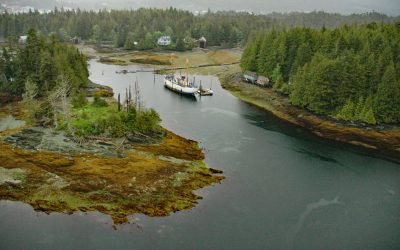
351, 72
139, 29
52, 79
40, 63
319, 19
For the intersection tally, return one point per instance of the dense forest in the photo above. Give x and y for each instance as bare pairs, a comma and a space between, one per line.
139, 29
40, 62
52, 79
350, 72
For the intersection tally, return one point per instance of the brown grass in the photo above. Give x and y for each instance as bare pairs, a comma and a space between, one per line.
219, 60
141, 182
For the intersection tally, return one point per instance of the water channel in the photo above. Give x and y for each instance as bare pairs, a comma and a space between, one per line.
284, 188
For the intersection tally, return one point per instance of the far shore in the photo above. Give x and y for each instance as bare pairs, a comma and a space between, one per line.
382, 138
210, 61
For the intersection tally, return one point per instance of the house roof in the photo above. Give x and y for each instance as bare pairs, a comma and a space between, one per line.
164, 38
263, 78
203, 39
250, 73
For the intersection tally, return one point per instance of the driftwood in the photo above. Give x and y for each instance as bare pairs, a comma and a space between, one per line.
98, 138
121, 145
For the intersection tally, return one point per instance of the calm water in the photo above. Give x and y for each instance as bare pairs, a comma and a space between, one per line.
285, 189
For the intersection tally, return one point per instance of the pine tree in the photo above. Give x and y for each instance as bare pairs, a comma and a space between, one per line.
31, 91
387, 101
347, 112
262, 57
180, 45
297, 95
130, 41
303, 55
358, 110
369, 117
250, 54
321, 91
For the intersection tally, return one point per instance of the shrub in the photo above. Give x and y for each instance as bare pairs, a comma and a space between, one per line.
99, 102
147, 121
79, 100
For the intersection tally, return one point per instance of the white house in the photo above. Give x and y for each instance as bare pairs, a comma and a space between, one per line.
164, 40
22, 39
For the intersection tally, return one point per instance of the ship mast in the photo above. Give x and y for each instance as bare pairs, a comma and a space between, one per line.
187, 72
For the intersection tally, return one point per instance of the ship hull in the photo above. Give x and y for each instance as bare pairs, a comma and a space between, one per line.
189, 91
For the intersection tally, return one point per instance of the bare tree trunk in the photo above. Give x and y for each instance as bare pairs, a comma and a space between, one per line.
119, 102
60, 103
126, 100
55, 118
138, 100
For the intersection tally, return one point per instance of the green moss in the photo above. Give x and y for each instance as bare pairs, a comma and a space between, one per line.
108, 60
70, 200
151, 60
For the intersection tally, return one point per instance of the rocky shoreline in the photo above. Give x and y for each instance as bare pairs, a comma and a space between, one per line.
150, 174
385, 140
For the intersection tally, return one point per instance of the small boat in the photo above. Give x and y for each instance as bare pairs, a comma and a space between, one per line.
180, 85
124, 71
205, 92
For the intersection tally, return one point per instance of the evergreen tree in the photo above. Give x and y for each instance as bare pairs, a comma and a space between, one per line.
303, 55
298, 95
96, 30
31, 91
180, 45
41, 61
322, 88
387, 101
130, 41
369, 117
250, 54
358, 109
347, 112
332, 70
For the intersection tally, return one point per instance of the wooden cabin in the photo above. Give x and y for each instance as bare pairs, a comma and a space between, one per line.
202, 42
263, 81
250, 76
75, 40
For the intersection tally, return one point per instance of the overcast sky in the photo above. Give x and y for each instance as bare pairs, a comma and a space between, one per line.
391, 7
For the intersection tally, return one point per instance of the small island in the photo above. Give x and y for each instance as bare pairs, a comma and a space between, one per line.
68, 146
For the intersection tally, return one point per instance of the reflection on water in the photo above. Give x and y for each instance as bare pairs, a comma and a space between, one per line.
318, 156
183, 98
276, 175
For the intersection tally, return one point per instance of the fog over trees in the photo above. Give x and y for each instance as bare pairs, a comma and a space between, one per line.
389, 7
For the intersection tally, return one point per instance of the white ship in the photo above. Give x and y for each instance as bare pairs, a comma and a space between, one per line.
180, 85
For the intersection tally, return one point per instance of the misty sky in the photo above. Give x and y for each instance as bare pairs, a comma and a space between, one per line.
390, 7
